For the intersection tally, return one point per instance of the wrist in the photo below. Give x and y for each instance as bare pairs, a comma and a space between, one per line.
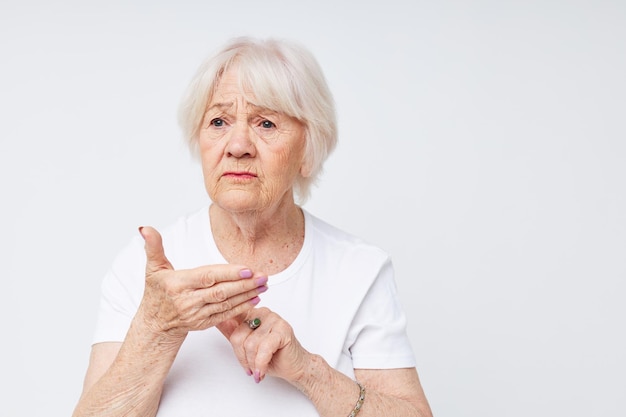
145, 329
319, 381
313, 371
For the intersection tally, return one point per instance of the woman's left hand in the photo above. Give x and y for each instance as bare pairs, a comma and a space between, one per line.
270, 349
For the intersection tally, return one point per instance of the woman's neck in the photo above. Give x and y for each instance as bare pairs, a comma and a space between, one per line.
267, 242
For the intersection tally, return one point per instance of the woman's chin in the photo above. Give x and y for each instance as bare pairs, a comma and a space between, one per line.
238, 201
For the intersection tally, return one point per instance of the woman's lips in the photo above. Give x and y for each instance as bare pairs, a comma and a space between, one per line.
239, 175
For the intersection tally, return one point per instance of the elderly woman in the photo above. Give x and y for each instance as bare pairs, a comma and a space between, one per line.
181, 331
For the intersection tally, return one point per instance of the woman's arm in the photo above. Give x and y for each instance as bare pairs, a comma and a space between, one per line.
126, 379
388, 392
272, 349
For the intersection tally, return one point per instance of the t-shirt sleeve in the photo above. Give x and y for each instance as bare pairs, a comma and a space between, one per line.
378, 330
121, 291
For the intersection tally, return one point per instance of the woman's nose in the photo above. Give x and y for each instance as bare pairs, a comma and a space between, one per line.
240, 143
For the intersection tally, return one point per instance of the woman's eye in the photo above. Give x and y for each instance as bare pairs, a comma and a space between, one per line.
217, 122
266, 124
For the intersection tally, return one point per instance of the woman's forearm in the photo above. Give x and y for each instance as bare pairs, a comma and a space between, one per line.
334, 394
133, 384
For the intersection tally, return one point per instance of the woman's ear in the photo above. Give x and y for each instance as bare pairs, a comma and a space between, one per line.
305, 168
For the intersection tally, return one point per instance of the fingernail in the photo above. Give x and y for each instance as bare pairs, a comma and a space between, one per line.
249, 372
141, 230
257, 376
260, 281
262, 289
254, 301
245, 273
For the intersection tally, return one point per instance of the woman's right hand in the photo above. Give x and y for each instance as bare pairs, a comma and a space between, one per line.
176, 302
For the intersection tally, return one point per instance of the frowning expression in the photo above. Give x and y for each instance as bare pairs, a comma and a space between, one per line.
251, 156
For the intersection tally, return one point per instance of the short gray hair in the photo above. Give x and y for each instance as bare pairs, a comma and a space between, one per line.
284, 77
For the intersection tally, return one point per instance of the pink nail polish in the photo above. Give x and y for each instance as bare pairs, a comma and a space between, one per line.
254, 301
257, 376
262, 289
260, 281
249, 372
245, 273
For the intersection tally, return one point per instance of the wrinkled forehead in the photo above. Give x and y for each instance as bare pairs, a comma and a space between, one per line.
229, 104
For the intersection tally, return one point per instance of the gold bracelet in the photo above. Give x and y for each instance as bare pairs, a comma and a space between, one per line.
359, 402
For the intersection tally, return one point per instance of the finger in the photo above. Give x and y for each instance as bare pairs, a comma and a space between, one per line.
214, 308
208, 276
225, 319
155, 255
240, 336
264, 354
227, 327
259, 353
260, 348
224, 291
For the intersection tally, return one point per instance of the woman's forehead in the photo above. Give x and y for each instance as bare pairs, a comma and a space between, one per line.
230, 95
236, 104
255, 88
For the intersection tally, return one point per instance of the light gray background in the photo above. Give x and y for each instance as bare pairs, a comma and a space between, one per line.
481, 144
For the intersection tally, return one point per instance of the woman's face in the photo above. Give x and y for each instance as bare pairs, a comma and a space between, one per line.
250, 155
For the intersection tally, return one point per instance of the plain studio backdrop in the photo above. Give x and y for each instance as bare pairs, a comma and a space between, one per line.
482, 144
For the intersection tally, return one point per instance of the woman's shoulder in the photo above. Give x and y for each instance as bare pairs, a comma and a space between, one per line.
341, 242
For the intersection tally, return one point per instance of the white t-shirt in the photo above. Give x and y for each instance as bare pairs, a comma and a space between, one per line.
339, 296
